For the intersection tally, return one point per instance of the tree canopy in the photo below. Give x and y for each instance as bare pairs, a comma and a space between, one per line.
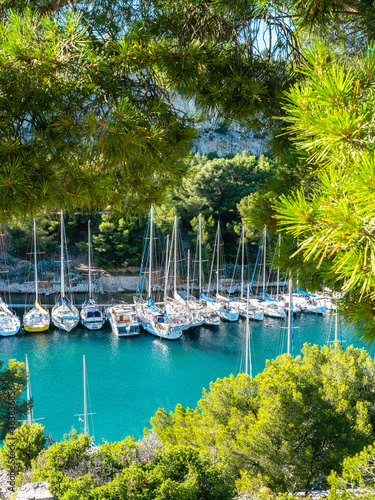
127, 470
331, 116
290, 425
80, 123
13, 407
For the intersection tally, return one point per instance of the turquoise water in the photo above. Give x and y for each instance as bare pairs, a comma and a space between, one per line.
130, 378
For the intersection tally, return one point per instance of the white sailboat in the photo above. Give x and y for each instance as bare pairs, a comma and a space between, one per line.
152, 319
28, 393
30, 413
85, 414
187, 303
65, 315
211, 317
248, 363
222, 305
9, 321
290, 320
37, 319
271, 307
91, 315
307, 303
175, 308
245, 308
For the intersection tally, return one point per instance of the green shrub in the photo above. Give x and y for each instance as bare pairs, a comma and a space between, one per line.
22, 446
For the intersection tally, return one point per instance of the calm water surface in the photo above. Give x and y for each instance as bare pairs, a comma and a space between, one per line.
130, 378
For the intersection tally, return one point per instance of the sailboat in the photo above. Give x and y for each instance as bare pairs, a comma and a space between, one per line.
28, 392
9, 321
271, 307
248, 364
65, 315
91, 315
37, 319
307, 303
211, 317
175, 306
222, 305
244, 307
152, 319
30, 413
85, 414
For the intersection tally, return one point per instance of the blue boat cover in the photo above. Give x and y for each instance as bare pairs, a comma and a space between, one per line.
166, 315
207, 299
265, 296
151, 305
301, 292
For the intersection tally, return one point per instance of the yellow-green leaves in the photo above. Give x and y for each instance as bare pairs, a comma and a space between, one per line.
291, 424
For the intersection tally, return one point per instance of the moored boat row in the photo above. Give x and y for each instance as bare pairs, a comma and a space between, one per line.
173, 315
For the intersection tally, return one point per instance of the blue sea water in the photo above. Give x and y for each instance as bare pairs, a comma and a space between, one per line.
130, 378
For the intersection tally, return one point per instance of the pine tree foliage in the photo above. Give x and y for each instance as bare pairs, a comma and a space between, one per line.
81, 122
332, 115
13, 407
289, 426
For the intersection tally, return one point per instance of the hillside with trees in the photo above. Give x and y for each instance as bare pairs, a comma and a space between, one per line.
90, 124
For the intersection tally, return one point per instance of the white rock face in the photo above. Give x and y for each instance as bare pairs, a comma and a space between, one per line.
231, 142
35, 491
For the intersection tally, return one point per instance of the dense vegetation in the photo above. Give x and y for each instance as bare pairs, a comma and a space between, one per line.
91, 120
211, 187
293, 427
13, 406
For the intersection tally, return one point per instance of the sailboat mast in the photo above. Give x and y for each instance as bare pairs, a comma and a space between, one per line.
175, 255
28, 391
89, 236
188, 277
62, 256
35, 265
264, 258
166, 271
336, 329
200, 254
278, 272
217, 257
243, 258
84, 397
289, 315
247, 333
150, 263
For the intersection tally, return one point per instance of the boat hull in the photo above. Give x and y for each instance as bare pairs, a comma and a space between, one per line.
10, 332
229, 316
254, 315
91, 316
35, 329
123, 320
173, 334
9, 322
36, 320
92, 325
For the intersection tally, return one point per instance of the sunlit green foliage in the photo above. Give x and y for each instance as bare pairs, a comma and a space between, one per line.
332, 117
22, 446
302, 415
13, 407
116, 470
357, 479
